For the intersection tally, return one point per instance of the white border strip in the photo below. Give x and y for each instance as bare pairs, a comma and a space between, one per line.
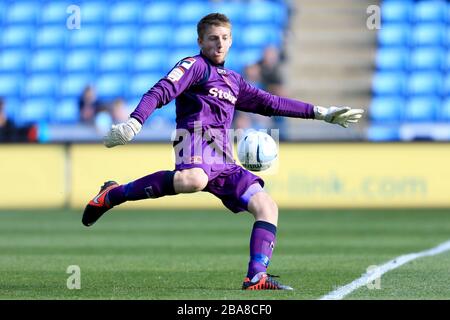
376, 273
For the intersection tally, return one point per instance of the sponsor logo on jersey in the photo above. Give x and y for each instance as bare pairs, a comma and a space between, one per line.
175, 74
223, 95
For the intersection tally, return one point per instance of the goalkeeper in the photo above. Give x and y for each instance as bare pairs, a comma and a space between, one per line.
207, 93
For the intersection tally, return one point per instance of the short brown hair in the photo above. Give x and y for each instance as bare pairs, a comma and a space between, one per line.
212, 19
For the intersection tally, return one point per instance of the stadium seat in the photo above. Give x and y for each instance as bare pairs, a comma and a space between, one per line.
426, 58
115, 61
388, 83
22, 12
122, 36
153, 60
428, 34
425, 83
260, 36
54, 13
11, 84
177, 55
250, 56
93, 12
396, 10
14, 60
88, 36
41, 85
66, 111
46, 61
124, 12
160, 12
394, 34
422, 109
444, 111
141, 83
190, 12
72, 85
235, 11
186, 36
379, 133
82, 60
266, 12
50, 36
17, 36
34, 111
446, 86
110, 86
387, 109
155, 36
430, 11
392, 58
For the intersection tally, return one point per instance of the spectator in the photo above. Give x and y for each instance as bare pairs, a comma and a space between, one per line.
119, 112
9, 132
88, 105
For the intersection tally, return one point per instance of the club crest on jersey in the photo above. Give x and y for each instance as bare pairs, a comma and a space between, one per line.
221, 71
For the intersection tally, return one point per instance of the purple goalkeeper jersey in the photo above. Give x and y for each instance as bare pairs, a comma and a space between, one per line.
207, 94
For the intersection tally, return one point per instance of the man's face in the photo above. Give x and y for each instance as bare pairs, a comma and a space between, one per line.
215, 43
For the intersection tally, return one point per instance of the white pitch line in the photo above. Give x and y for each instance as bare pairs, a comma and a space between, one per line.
376, 273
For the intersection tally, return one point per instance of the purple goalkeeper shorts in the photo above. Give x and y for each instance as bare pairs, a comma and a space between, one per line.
230, 183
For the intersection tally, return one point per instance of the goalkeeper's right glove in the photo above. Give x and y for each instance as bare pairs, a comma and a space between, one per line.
122, 133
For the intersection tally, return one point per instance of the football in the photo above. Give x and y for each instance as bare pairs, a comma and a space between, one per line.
257, 151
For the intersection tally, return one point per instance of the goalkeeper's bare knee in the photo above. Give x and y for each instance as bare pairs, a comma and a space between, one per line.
190, 180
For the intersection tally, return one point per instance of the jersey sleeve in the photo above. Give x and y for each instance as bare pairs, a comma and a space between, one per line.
185, 73
252, 99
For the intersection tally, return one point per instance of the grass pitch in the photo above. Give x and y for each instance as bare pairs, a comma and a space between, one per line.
204, 254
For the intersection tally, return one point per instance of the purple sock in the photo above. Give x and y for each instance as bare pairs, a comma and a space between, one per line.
155, 185
262, 243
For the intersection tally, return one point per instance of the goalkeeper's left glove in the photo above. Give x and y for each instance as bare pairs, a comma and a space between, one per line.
122, 133
338, 115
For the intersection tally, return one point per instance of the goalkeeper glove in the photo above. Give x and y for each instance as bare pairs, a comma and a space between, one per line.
122, 133
338, 115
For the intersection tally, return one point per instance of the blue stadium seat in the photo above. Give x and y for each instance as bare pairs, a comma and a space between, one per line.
153, 60
427, 58
120, 36
14, 60
392, 83
250, 56
260, 36
11, 84
51, 36
66, 111
24, 12
446, 85
72, 85
115, 61
380, 132
177, 55
43, 85
141, 83
235, 11
46, 61
190, 12
87, 36
83, 60
387, 109
430, 11
422, 109
34, 110
444, 111
425, 83
160, 12
155, 36
186, 36
110, 86
266, 12
428, 34
17, 36
392, 58
396, 10
54, 13
394, 34
124, 12
94, 12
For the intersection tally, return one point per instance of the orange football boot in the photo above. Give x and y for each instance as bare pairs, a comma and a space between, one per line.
263, 281
98, 205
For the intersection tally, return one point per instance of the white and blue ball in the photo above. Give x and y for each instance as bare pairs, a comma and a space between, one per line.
257, 151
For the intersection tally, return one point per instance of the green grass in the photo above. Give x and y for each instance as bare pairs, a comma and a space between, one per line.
203, 255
